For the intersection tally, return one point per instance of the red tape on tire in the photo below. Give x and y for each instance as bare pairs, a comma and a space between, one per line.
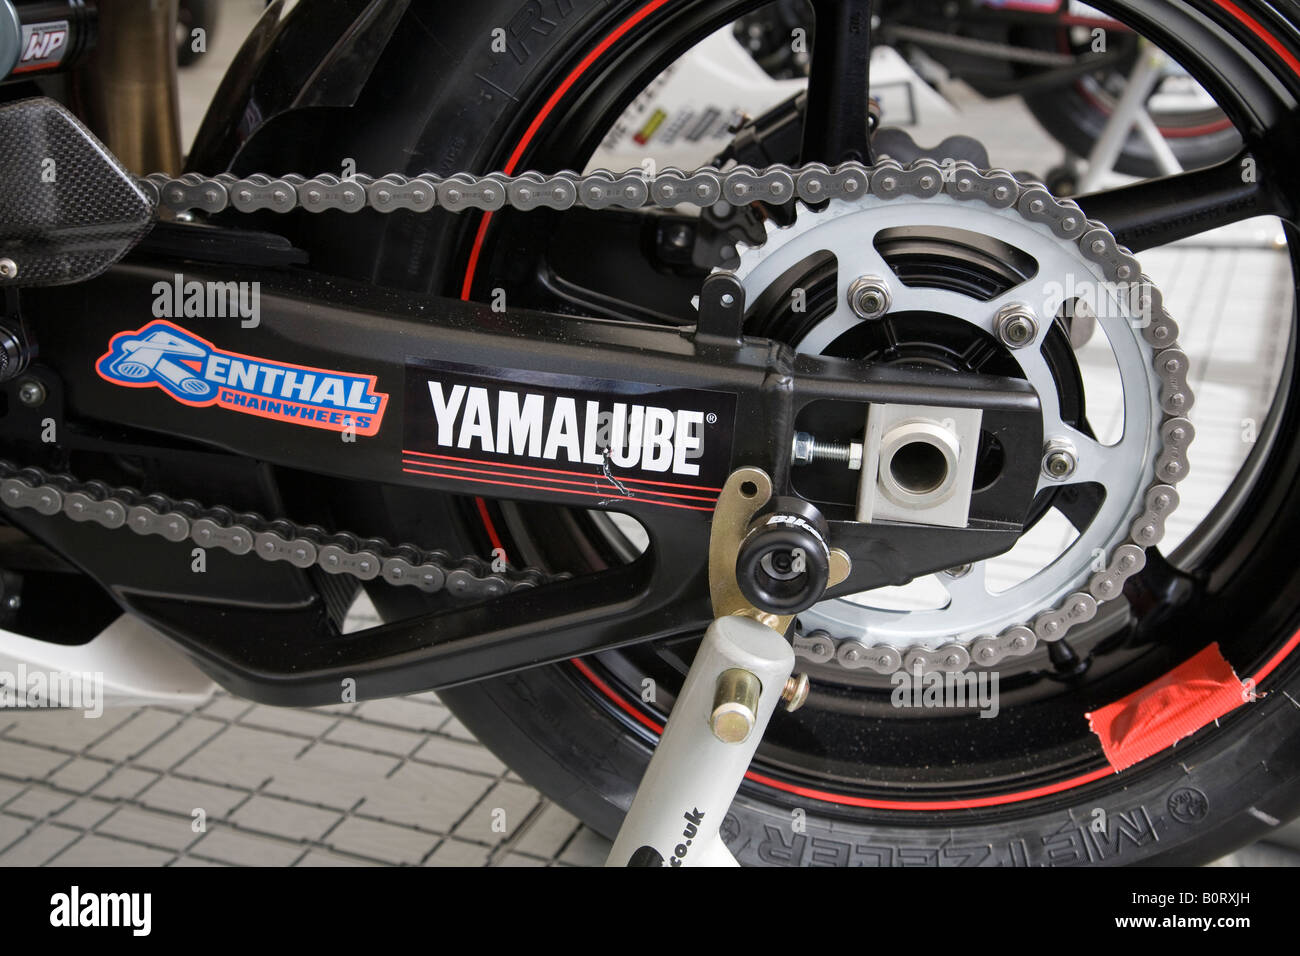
1168, 709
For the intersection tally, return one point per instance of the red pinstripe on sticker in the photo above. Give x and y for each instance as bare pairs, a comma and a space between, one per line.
598, 482
607, 494
562, 471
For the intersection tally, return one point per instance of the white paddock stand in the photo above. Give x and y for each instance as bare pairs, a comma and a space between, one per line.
694, 775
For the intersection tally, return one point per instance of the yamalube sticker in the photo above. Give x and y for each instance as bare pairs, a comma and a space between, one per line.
195, 372
568, 434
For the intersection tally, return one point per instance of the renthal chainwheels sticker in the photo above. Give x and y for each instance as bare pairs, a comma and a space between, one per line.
195, 372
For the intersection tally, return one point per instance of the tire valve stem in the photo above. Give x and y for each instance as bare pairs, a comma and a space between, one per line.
1066, 662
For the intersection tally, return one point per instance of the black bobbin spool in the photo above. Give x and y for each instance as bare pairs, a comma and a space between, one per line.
783, 564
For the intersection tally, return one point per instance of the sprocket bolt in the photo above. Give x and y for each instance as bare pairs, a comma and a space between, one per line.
869, 297
1016, 326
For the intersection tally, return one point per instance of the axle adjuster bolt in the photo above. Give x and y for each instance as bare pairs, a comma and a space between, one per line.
869, 297
1016, 326
807, 449
735, 705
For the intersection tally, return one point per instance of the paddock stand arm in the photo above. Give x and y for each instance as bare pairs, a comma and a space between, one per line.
740, 674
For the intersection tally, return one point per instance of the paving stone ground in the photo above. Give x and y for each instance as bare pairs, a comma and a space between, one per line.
235, 783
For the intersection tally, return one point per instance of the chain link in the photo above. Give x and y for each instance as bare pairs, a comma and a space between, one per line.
669, 187
249, 533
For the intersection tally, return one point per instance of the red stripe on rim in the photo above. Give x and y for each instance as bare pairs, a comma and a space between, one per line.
1257, 28
873, 803
614, 696
1276, 659
550, 104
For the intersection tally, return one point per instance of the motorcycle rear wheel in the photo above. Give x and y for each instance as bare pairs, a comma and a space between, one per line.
928, 792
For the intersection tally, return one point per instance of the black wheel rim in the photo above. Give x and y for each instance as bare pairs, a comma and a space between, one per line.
1041, 740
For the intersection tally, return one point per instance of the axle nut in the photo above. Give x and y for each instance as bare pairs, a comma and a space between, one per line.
918, 463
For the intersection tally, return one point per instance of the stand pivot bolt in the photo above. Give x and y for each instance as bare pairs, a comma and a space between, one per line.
735, 705
795, 692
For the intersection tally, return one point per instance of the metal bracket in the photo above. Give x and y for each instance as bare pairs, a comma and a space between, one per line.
745, 493
933, 489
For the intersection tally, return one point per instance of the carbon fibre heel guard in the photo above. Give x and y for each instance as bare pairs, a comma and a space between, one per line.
68, 208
